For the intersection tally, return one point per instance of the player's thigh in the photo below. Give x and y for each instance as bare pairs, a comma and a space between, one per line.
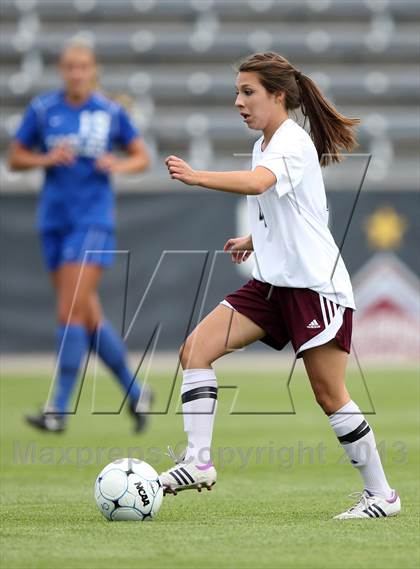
75, 284
326, 368
222, 331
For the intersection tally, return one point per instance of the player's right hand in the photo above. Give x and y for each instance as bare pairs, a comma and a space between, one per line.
241, 248
61, 155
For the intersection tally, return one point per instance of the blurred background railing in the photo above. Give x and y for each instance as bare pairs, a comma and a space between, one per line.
174, 63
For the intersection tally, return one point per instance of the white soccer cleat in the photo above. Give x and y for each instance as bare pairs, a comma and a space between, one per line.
187, 476
371, 506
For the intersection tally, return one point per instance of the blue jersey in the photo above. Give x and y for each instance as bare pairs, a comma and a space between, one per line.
79, 194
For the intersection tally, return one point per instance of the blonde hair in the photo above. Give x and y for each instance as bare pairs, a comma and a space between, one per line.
83, 45
79, 44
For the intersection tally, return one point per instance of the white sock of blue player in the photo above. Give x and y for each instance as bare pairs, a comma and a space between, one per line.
358, 441
199, 404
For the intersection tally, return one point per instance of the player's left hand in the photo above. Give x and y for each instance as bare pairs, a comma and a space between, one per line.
181, 170
240, 248
108, 163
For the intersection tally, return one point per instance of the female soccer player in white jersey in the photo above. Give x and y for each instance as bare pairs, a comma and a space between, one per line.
72, 133
300, 290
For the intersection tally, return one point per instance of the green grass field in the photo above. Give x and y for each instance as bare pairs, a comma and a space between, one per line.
270, 508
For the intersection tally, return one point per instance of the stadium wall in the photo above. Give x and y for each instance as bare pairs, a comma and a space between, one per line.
168, 270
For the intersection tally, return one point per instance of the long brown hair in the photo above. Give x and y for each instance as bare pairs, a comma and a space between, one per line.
330, 131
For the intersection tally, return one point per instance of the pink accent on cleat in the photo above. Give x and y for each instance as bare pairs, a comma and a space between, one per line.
393, 498
204, 466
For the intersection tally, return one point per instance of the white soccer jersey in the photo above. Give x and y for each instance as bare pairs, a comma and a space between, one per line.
289, 222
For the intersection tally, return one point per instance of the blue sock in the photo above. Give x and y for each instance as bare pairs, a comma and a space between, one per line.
112, 351
72, 346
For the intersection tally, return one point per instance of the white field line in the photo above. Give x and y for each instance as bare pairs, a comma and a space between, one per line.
264, 361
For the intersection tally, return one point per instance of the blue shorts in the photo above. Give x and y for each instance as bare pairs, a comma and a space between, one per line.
91, 245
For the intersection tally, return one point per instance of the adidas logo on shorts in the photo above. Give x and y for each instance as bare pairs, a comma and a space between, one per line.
313, 324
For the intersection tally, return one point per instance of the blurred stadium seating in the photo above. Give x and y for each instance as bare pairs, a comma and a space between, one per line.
172, 62
175, 62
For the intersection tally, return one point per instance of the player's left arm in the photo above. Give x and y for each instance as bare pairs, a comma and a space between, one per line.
247, 182
137, 159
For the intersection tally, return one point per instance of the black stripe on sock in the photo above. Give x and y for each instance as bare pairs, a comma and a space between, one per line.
379, 509
175, 477
187, 474
206, 395
199, 393
355, 435
183, 478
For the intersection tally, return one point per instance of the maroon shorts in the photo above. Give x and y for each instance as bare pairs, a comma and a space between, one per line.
297, 315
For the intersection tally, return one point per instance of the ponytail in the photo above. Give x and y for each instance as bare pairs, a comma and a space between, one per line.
331, 132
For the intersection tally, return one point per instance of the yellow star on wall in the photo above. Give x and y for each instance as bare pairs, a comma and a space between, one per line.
385, 228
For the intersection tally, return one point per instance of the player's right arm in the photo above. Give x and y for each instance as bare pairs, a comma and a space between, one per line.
240, 248
23, 158
29, 136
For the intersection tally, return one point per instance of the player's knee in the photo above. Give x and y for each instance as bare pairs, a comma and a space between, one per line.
73, 313
181, 353
92, 322
326, 401
185, 353
62, 312
193, 355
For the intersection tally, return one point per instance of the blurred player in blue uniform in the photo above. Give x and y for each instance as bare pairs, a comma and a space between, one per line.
71, 134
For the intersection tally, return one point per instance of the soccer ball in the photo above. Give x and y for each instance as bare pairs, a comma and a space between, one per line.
128, 489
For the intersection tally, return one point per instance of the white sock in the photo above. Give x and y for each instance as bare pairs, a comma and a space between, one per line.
199, 404
359, 443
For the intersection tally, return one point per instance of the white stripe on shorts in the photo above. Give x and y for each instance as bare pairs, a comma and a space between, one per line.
324, 317
330, 310
228, 304
331, 329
